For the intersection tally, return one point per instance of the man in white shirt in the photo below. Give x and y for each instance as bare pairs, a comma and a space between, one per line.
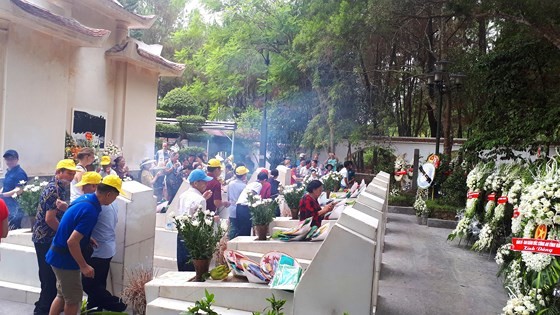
243, 223
162, 155
189, 202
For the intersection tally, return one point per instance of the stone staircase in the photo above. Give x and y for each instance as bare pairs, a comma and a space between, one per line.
232, 295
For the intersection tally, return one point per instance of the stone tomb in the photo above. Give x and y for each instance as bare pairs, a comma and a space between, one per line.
352, 238
19, 279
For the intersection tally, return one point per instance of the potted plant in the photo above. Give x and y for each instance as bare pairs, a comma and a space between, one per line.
262, 213
201, 235
292, 195
29, 199
331, 182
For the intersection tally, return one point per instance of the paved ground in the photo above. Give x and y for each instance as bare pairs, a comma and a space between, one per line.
424, 274
9, 307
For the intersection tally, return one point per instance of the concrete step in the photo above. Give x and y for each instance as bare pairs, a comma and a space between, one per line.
19, 265
164, 306
19, 293
304, 263
19, 237
165, 262
230, 293
165, 243
304, 250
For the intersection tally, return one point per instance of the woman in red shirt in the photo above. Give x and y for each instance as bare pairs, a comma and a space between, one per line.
3, 219
309, 206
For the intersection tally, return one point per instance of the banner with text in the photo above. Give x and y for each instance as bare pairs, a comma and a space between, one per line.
536, 246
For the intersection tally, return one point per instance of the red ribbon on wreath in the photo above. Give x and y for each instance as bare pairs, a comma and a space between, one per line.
502, 200
400, 173
515, 212
491, 197
473, 195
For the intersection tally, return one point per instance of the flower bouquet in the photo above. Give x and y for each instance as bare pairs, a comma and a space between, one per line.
292, 195
262, 213
331, 182
201, 235
29, 198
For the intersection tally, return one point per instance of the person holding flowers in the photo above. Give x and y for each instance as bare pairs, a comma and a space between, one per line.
194, 198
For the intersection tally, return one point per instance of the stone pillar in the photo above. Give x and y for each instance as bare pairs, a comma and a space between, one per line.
121, 32
135, 234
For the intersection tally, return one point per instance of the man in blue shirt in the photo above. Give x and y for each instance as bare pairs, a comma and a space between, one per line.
72, 236
234, 189
13, 180
99, 257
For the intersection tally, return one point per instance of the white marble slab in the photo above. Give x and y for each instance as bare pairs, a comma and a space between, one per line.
305, 250
340, 278
165, 243
18, 265
284, 175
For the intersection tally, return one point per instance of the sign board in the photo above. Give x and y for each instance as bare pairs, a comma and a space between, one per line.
426, 175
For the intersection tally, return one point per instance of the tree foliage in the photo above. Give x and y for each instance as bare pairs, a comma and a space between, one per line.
328, 70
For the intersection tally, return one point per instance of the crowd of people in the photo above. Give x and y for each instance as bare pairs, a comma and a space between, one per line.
206, 189
74, 232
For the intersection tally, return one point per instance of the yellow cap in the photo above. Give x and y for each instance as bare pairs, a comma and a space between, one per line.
67, 164
242, 170
105, 160
89, 178
214, 163
113, 181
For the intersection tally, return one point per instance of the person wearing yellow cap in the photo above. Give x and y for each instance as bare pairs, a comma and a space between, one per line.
89, 182
234, 189
106, 168
52, 204
72, 236
215, 203
100, 255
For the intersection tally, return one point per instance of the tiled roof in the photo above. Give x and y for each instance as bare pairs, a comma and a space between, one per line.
160, 60
62, 21
145, 21
131, 49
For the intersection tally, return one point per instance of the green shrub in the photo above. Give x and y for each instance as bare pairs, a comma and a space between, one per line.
439, 205
179, 102
163, 114
380, 159
190, 123
454, 189
402, 200
167, 128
